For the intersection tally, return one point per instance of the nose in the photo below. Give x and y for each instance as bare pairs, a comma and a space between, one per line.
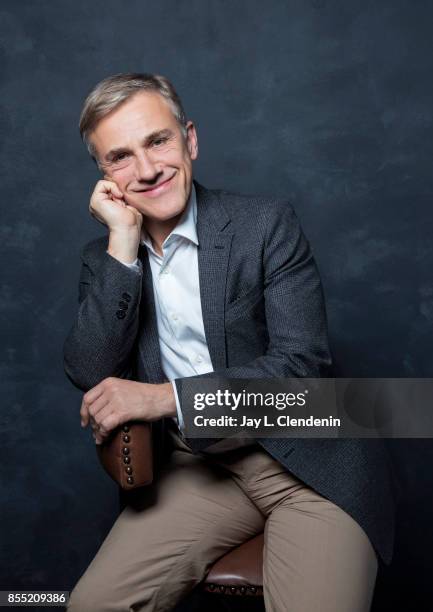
145, 168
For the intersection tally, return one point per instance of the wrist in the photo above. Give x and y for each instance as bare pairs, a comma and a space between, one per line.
166, 399
123, 244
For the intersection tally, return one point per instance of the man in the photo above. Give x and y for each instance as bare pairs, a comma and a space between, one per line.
189, 282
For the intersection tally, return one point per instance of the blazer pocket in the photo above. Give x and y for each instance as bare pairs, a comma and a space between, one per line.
243, 303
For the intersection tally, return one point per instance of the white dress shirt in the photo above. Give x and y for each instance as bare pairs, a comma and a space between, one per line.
182, 341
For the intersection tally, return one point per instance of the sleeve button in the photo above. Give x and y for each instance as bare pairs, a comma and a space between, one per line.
120, 314
126, 296
123, 305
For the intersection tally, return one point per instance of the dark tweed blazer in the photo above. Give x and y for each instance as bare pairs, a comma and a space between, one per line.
263, 316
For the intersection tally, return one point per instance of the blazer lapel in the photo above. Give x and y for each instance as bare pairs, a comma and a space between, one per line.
213, 257
148, 343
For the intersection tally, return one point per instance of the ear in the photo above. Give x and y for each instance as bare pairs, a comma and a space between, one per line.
191, 140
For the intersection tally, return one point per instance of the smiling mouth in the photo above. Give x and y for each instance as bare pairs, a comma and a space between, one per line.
156, 188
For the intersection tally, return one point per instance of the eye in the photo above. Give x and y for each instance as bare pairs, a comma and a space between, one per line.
159, 141
119, 157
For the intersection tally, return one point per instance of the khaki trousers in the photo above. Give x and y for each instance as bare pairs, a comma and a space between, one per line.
316, 557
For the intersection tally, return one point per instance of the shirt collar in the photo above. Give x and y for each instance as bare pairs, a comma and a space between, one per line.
186, 226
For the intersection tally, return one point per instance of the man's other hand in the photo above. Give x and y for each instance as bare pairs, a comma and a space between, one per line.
115, 401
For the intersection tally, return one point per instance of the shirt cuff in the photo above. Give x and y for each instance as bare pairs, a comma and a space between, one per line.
135, 265
180, 422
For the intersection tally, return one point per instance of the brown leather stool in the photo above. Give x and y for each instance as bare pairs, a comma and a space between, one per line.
238, 572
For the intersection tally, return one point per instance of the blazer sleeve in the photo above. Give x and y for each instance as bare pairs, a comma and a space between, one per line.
294, 309
102, 337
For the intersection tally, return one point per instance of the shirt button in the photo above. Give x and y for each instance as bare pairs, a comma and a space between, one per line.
174, 317
199, 359
166, 271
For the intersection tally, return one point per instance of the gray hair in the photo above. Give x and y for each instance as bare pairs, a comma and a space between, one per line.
114, 90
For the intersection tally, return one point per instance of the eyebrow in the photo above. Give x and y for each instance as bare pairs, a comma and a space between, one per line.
167, 133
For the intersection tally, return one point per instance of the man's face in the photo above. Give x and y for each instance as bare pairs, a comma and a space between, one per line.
142, 148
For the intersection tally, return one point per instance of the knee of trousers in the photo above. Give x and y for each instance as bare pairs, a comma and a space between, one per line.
85, 598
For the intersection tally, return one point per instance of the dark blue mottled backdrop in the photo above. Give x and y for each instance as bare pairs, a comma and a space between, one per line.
328, 103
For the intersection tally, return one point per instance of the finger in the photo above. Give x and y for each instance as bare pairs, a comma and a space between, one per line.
118, 200
94, 393
84, 414
134, 210
98, 405
88, 397
101, 418
97, 433
109, 187
99, 439
109, 422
